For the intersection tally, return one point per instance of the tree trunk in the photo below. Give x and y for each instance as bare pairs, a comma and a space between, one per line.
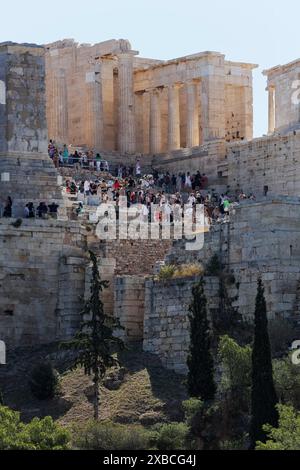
96, 400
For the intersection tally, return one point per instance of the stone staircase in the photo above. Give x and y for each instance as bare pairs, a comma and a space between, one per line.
29, 178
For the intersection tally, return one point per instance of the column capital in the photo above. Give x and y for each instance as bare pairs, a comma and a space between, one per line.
270, 87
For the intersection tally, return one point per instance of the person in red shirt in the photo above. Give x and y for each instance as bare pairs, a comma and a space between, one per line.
116, 185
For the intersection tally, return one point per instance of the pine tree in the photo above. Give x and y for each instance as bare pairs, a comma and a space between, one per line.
263, 395
200, 360
94, 340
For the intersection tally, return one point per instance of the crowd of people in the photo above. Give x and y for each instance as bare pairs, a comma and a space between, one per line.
41, 211
167, 192
62, 157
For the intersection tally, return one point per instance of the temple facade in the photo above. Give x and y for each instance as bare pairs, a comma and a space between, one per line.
106, 97
284, 97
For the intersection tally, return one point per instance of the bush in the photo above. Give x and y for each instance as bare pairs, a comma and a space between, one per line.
167, 272
172, 437
236, 365
44, 381
111, 436
287, 435
287, 381
191, 407
39, 434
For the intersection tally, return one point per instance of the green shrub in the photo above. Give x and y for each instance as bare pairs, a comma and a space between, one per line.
236, 366
287, 435
167, 272
107, 435
287, 381
44, 381
39, 434
191, 407
172, 436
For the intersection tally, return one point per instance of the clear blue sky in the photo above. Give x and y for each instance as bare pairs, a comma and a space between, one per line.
258, 31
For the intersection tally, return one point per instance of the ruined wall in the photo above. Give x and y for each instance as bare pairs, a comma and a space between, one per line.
166, 323
26, 172
209, 158
271, 161
129, 306
261, 240
22, 111
42, 276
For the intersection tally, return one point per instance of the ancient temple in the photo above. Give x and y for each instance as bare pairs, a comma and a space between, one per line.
106, 97
284, 97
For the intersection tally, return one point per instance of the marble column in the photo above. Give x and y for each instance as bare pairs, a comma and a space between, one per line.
60, 108
94, 108
127, 142
271, 117
192, 125
213, 98
174, 117
155, 121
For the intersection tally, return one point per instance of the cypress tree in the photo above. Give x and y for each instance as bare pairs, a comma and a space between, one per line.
95, 338
200, 360
263, 395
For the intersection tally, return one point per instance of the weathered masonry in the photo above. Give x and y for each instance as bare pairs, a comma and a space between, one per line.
42, 262
26, 173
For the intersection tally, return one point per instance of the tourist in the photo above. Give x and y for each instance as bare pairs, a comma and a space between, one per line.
98, 162
79, 209
87, 188
8, 207
65, 155
56, 159
188, 182
204, 181
29, 211
42, 210
138, 170
53, 208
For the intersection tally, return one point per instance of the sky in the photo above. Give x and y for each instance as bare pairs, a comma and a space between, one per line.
262, 32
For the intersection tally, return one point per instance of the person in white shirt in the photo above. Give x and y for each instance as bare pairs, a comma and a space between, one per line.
86, 187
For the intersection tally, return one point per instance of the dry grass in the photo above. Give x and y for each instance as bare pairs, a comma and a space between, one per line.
171, 271
148, 394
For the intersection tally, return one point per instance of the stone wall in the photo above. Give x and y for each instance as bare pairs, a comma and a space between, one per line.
22, 106
262, 239
42, 277
129, 306
26, 172
268, 161
166, 323
135, 257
